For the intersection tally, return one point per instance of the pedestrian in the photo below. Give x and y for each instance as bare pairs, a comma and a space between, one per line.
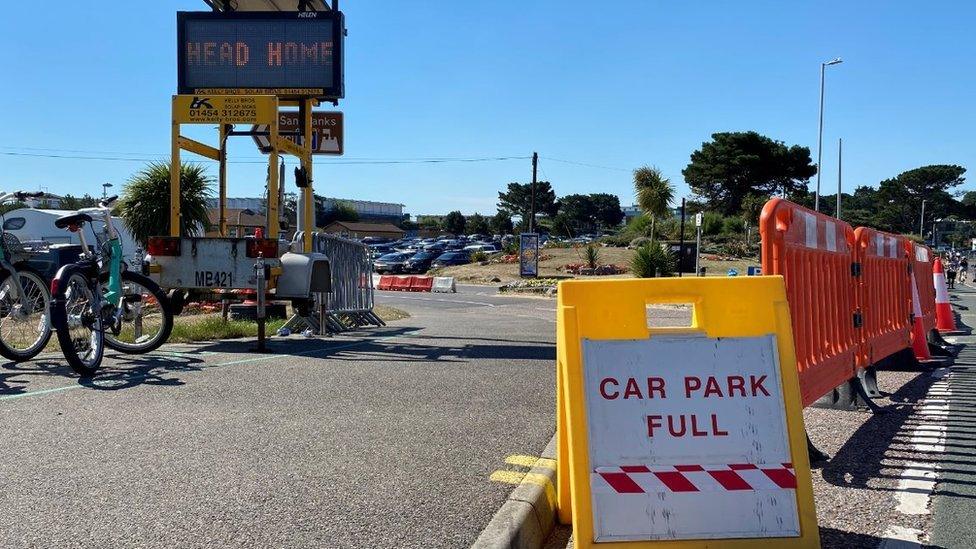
963, 269
952, 266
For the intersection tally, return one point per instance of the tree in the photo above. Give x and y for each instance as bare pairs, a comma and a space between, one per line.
144, 206
69, 202
340, 211
517, 200
734, 164
477, 224
654, 193
606, 209
576, 211
454, 223
501, 223
752, 206
899, 199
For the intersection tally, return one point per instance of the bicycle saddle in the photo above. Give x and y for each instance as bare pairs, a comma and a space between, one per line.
72, 219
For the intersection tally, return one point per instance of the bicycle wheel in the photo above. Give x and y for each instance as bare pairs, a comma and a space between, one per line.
25, 325
147, 317
78, 322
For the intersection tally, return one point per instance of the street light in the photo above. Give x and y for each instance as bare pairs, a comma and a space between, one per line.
245, 211
823, 66
921, 220
105, 187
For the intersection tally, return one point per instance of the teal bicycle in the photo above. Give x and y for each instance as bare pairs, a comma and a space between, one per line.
97, 302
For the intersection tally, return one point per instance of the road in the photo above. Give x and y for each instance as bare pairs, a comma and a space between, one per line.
384, 438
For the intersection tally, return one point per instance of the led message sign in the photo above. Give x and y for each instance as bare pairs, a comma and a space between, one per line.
291, 54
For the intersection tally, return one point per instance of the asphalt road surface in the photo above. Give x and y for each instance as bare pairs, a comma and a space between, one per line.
382, 438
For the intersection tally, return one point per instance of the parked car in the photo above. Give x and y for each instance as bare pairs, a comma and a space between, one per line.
420, 262
390, 263
449, 259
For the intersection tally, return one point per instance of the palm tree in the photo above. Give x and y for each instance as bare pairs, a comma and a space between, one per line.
654, 193
144, 206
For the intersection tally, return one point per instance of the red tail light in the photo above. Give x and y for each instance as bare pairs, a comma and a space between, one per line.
267, 247
163, 246
54, 286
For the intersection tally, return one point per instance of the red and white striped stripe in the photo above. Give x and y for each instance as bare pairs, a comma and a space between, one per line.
643, 479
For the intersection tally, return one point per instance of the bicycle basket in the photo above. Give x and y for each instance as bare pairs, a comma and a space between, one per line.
15, 248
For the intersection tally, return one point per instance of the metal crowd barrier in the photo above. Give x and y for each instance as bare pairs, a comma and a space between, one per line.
350, 303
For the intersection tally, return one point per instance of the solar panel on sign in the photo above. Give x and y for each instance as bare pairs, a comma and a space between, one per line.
266, 5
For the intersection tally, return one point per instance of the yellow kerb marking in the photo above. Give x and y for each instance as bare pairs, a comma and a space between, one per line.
531, 461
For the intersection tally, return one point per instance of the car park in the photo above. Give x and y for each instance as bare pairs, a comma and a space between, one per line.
449, 259
390, 263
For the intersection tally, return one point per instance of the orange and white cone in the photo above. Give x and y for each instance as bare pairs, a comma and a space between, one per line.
920, 344
944, 321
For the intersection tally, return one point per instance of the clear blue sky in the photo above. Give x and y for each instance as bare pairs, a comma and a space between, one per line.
614, 84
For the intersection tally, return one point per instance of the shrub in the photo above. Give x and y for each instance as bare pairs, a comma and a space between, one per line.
712, 223
511, 248
639, 241
592, 256
733, 225
652, 260
479, 256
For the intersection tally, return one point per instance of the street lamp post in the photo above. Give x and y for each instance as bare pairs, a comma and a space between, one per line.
105, 187
823, 67
921, 221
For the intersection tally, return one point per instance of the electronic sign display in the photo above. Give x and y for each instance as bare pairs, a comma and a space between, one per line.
289, 54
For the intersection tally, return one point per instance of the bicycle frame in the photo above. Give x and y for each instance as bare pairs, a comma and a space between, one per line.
114, 294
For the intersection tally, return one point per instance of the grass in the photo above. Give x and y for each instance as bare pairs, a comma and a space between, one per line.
550, 268
207, 327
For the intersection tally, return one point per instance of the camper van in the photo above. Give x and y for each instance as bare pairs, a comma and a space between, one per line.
31, 225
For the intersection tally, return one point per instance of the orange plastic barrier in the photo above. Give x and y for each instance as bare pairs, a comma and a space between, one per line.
884, 295
401, 283
922, 259
814, 254
421, 283
386, 283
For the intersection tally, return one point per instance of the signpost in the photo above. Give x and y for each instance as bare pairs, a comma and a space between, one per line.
698, 229
529, 255
326, 132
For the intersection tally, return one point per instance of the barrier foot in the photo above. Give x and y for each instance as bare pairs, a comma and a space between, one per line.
939, 350
863, 397
816, 456
868, 378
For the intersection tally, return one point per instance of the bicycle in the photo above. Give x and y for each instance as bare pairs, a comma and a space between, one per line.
96, 302
25, 326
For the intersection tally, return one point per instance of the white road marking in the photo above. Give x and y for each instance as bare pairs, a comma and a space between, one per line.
899, 537
918, 480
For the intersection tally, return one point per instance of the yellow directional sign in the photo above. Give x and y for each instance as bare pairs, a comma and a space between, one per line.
224, 109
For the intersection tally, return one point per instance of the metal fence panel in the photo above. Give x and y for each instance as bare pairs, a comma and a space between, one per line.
352, 273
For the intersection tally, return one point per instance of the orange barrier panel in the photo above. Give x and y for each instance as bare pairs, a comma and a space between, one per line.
922, 258
421, 283
884, 295
386, 283
401, 283
814, 253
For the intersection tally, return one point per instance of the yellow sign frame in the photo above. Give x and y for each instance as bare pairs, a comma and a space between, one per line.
617, 309
224, 111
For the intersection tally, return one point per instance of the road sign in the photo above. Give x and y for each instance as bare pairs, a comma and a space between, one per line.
688, 434
698, 219
529, 255
326, 132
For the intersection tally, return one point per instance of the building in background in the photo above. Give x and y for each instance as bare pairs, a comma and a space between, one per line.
630, 212
369, 211
362, 230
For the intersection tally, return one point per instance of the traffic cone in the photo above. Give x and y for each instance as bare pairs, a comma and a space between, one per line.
944, 321
920, 344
